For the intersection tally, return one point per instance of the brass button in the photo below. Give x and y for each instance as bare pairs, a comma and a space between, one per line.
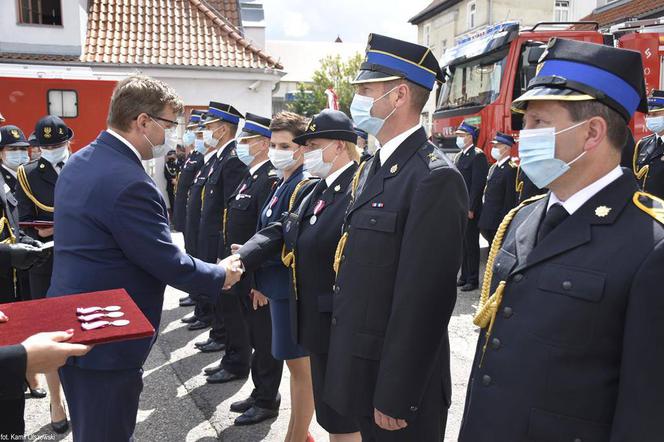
486, 380
495, 343
567, 285
507, 312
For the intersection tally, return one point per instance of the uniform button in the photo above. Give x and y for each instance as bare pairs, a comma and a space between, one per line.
578, 439
334, 321
486, 380
343, 258
507, 312
413, 408
336, 289
497, 265
518, 277
567, 285
373, 221
495, 343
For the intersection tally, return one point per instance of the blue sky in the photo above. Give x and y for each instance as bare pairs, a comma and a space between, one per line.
353, 20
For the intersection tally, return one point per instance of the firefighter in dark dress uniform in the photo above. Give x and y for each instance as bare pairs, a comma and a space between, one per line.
648, 157
499, 194
171, 171
224, 176
388, 360
473, 166
308, 235
570, 347
243, 324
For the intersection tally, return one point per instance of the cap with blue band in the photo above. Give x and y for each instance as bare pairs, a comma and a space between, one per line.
656, 101
389, 59
468, 129
224, 112
502, 138
255, 125
573, 70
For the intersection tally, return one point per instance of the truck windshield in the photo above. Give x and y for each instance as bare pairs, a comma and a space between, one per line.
475, 83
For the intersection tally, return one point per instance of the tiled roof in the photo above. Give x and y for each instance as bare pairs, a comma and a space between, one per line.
175, 33
229, 9
633, 9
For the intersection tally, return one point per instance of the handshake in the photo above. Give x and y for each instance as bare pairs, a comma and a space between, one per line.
234, 270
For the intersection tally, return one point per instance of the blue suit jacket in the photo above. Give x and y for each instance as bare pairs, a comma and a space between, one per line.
112, 232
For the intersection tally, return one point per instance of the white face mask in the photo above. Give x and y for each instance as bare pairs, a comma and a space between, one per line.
170, 142
14, 158
55, 156
315, 165
495, 153
281, 159
461, 142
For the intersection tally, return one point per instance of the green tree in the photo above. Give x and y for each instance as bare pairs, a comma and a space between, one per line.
333, 72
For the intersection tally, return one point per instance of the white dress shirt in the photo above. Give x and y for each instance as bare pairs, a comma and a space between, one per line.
256, 167
124, 140
574, 202
333, 176
388, 149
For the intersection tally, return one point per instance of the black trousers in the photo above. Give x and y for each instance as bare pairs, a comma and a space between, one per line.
265, 369
470, 267
11, 418
39, 282
428, 425
237, 358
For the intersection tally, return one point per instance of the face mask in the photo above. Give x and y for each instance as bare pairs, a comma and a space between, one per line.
243, 153
315, 165
281, 159
188, 138
209, 139
55, 156
655, 124
495, 153
170, 142
460, 142
199, 145
360, 109
537, 150
15, 158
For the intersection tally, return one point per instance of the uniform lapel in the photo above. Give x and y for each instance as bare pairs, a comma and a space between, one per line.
47, 171
370, 188
576, 230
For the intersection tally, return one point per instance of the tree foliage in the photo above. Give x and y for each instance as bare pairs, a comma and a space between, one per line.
333, 72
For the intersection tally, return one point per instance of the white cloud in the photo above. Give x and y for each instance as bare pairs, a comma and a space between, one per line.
294, 25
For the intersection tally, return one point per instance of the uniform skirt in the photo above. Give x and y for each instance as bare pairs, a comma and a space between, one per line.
283, 345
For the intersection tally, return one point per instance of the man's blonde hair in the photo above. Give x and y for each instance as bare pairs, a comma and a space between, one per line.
139, 94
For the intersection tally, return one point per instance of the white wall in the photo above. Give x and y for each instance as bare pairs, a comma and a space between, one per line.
43, 39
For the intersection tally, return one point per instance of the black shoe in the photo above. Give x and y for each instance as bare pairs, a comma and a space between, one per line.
200, 344
212, 370
212, 347
469, 287
189, 319
187, 302
35, 393
198, 325
59, 427
223, 376
255, 415
242, 406
460, 283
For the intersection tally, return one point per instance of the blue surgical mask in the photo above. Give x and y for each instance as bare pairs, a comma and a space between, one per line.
188, 138
360, 110
537, 151
14, 158
199, 145
495, 153
655, 124
244, 154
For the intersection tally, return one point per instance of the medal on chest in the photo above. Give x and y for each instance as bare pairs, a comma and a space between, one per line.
318, 208
268, 213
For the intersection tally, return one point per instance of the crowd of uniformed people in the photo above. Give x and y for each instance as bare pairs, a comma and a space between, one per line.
302, 247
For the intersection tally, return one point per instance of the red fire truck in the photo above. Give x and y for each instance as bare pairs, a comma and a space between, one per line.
75, 94
486, 71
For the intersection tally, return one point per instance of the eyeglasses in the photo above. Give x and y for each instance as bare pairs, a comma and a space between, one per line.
174, 123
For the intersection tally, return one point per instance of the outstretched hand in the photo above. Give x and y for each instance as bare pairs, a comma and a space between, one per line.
234, 270
48, 351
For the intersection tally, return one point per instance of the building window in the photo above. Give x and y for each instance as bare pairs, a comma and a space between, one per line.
472, 8
63, 103
561, 10
40, 12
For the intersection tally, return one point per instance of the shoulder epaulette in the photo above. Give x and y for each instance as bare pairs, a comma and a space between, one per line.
478, 150
650, 204
512, 164
434, 157
272, 172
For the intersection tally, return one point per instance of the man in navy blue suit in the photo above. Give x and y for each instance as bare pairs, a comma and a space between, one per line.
112, 231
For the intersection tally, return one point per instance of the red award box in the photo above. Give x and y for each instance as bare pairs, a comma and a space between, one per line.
58, 314
36, 224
